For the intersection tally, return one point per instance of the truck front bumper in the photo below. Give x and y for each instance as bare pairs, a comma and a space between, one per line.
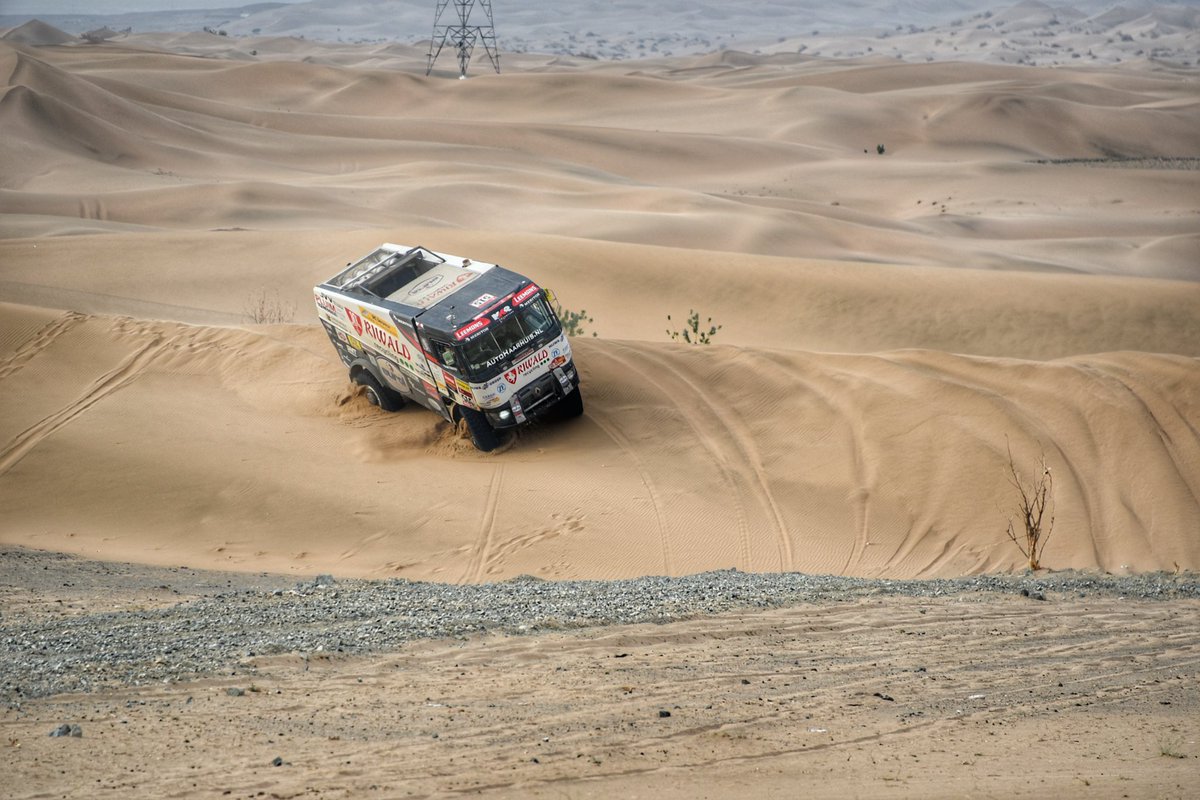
537, 398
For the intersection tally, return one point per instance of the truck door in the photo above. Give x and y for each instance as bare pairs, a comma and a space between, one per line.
425, 389
448, 372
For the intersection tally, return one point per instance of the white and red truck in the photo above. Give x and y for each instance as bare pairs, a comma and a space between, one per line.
470, 340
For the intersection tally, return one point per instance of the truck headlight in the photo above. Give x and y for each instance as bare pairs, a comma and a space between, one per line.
504, 414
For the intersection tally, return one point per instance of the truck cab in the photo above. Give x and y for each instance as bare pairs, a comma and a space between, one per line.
470, 340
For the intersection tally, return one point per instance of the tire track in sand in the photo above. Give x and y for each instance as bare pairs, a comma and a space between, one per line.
45, 337
628, 364
119, 376
743, 440
487, 530
656, 502
854, 440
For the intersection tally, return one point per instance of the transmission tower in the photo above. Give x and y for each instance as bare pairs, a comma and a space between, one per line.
463, 36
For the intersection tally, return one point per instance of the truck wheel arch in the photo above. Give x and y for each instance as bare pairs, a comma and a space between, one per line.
483, 435
378, 394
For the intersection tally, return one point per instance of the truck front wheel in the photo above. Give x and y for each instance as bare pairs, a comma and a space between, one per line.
376, 394
483, 435
571, 406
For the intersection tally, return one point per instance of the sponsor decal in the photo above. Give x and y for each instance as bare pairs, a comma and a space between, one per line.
516, 348
369, 330
325, 303
392, 373
528, 364
432, 288
458, 390
518, 412
380, 321
558, 361
526, 293
355, 343
471, 328
425, 285
485, 397
483, 300
501, 313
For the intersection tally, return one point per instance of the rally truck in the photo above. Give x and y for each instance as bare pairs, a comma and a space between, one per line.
472, 341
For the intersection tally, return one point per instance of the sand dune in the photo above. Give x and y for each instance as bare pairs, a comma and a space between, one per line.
892, 322
689, 459
123, 137
37, 34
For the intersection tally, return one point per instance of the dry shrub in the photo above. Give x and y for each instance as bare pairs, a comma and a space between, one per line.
264, 307
1031, 534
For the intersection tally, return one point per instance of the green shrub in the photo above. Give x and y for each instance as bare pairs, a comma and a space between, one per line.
692, 332
572, 321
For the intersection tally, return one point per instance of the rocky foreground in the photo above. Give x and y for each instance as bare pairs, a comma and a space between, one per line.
125, 681
73, 625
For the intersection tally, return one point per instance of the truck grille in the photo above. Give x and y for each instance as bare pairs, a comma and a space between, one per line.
540, 391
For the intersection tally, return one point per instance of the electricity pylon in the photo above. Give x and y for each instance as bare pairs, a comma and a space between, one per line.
462, 35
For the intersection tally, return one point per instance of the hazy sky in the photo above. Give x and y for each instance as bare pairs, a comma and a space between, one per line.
35, 7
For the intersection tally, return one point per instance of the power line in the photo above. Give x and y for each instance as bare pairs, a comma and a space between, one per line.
462, 35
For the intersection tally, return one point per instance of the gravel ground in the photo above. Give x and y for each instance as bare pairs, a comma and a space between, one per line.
1129, 162
69, 625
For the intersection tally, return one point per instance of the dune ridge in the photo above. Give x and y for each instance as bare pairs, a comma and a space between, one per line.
873, 464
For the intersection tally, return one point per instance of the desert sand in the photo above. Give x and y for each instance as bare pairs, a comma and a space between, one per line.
917, 268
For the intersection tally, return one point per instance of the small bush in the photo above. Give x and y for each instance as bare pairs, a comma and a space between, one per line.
572, 321
1171, 746
266, 308
692, 332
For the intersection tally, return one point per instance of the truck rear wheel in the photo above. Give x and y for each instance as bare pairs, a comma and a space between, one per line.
483, 435
376, 394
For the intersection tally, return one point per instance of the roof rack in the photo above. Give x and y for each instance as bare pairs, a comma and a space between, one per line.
378, 264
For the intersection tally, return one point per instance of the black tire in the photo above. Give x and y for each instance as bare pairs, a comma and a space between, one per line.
483, 435
377, 395
571, 406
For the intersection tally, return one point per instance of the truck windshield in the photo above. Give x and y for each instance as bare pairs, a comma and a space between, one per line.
507, 336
